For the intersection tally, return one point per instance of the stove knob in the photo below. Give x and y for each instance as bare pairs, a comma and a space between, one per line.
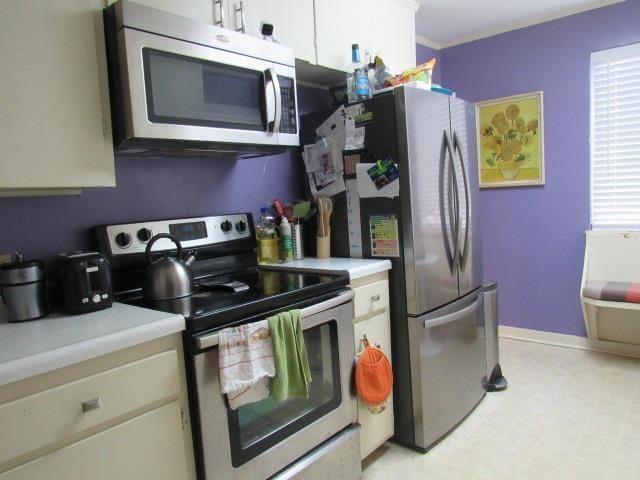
226, 226
241, 226
123, 239
144, 235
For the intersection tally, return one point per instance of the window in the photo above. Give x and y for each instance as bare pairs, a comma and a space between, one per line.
615, 138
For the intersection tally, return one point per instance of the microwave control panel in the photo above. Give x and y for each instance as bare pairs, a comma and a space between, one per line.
288, 121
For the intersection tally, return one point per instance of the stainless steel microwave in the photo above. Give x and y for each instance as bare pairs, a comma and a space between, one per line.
181, 87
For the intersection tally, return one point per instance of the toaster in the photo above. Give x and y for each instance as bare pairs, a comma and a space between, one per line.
82, 282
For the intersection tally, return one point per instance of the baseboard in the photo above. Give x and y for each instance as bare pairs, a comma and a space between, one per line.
569, 341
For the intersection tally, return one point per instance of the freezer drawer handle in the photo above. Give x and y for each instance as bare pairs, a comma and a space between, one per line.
452, 317
213, 339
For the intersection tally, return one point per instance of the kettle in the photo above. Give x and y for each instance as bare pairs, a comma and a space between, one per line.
167, 278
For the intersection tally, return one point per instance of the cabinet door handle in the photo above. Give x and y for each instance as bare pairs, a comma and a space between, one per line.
219, 21
240, 10
375, 298
93, 404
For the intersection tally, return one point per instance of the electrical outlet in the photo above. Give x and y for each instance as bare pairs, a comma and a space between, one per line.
5, 258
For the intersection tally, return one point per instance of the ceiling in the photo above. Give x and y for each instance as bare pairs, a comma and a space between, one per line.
450, 22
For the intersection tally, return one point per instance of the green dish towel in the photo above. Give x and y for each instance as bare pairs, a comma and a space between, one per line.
293, 376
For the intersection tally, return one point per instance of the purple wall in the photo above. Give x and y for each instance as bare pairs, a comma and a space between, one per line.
424, 54
149, 188
533, 238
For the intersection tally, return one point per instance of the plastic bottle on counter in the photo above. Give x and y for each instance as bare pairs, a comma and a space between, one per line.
268, 251
286, 244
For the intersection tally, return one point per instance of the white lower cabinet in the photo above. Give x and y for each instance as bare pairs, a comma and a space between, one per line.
373, 320
119, 416
145, 447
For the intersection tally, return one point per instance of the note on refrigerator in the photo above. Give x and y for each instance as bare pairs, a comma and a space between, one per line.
333, 188
354, 136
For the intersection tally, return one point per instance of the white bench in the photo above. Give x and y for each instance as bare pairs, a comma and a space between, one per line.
611, 256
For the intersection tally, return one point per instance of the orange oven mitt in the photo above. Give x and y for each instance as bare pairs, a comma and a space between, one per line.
373, 377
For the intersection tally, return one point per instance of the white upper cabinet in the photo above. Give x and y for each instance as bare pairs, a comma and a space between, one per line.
201, 10
393, 33
323, 31
55, 126
339, 24
292, 20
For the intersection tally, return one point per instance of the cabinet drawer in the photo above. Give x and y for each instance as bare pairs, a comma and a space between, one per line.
371, 298
43, 418
146, 447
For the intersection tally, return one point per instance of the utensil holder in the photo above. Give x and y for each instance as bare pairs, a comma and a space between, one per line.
297, 240
323, 246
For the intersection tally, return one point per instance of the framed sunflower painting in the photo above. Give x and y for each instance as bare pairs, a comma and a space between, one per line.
510, 141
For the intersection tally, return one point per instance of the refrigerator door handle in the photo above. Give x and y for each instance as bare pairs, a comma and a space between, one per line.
452, 317
445, 186
464, 249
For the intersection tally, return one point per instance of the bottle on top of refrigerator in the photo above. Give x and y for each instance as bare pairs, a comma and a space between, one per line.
358, 87
371, 71
268, 251
286, 243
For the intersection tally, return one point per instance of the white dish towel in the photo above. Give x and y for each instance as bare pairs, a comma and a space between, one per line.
245, 357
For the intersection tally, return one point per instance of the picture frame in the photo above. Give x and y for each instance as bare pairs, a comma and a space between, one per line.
510, 137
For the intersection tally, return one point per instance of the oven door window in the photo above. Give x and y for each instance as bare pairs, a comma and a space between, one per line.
257, 426
182, 90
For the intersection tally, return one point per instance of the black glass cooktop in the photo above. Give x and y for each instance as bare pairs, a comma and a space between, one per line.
226, 300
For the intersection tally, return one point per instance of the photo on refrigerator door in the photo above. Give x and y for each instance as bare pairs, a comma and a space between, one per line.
510, 141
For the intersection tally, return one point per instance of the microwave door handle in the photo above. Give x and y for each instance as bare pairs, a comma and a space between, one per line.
271, 79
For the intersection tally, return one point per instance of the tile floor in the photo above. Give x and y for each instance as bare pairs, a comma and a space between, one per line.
567, 414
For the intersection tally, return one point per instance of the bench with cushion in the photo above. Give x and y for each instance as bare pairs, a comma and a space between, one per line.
610, 290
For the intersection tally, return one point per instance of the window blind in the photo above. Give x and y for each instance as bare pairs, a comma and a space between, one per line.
615, 138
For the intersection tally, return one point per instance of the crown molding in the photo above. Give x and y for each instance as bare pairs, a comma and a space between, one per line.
428, 43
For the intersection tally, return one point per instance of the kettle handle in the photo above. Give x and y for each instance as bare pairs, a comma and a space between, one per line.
158, 237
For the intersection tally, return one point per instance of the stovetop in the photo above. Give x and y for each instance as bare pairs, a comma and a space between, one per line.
225, 251
214, 305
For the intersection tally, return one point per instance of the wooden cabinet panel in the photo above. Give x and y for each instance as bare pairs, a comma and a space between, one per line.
55, 126
292, 20
147, 447
200, 10
339, 24
393, 33
375, 428
52, 415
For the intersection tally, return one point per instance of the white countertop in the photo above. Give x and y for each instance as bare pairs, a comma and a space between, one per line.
40, 346
355, 267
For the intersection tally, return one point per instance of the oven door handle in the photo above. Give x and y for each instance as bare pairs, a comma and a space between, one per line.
213, 339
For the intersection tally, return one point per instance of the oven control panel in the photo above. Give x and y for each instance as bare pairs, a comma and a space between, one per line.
130, 238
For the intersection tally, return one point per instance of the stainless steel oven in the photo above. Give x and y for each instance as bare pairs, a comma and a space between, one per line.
297, 438
183, 87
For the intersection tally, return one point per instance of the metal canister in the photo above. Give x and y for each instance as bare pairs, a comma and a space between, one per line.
23, 290
297, 241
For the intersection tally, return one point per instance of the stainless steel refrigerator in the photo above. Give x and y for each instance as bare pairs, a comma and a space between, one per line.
437, 316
